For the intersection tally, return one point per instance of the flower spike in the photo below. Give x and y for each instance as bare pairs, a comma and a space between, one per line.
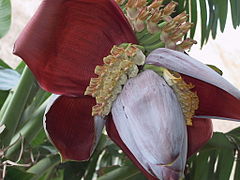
155, 24
169, 9
156, 4
118, 67
181, 18
188, 100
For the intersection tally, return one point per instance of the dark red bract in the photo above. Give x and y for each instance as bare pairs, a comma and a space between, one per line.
214, 101
199, 134
71, 127
66, 39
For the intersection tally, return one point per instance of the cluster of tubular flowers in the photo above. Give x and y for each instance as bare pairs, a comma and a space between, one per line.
154, 25
118, 67
83, 51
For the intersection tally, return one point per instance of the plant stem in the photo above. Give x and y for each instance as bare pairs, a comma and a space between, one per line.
151, 39
141, 34
29, 130
30, 110
5, 105
16, 106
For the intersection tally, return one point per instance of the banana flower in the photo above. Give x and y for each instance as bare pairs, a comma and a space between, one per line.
66, 40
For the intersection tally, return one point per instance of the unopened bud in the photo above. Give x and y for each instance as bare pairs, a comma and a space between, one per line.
152, 27
181, 18
177, 37
156, 17
169, 9
186, 44
143, 15
170, 26
120, 2
141, 3
155, 5
138, 25
185, 27
131, 4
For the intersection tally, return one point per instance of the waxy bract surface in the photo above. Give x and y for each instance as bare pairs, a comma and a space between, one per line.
150, 122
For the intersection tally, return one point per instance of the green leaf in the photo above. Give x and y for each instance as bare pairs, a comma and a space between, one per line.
16, 107
193, 7
39, 139
29, 131
74, 170
8, 78
215, 19
201, 166
225, 164
190, 167
5, 16
203, 20
105, 170
3, 64
223, 9
219, 140
234, 140
210, 20
91, 169
219, 71
212, 161
235, 131
238, 13
216, 159
20, 67
121, 173
15, 173
43, 165
3, 97
234, 12
180, 7
186, 7
237, 170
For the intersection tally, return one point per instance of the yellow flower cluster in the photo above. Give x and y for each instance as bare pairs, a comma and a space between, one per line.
188, 100
121, 64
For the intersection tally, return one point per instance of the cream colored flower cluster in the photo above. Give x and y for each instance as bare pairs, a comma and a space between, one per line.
120, 65
156, 20
188, 100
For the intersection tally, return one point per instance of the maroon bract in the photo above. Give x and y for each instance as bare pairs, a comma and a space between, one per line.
199, 134
66, 40
70, 140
